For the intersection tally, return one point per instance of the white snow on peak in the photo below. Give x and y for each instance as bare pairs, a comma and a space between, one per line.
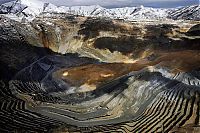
84, 10
32, 3
31, 7
141, 6
35, 7
188, 12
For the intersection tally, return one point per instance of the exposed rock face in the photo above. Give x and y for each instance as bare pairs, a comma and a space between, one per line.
147, 79
104, 39
16, 54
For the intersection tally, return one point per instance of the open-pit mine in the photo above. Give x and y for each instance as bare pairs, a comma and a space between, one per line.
70, 73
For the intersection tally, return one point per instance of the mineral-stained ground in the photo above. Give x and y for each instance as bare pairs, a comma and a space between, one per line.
64, 73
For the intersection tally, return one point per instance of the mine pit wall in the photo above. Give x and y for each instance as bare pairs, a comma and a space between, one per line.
152, 39
108, 40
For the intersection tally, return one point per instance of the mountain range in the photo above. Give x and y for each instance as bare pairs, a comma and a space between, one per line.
32, 8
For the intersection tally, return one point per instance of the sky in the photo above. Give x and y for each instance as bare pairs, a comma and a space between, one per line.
121, 3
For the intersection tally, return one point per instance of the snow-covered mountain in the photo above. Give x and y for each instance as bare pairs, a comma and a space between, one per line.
127, 13
35, 7
189, 13
29, 7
